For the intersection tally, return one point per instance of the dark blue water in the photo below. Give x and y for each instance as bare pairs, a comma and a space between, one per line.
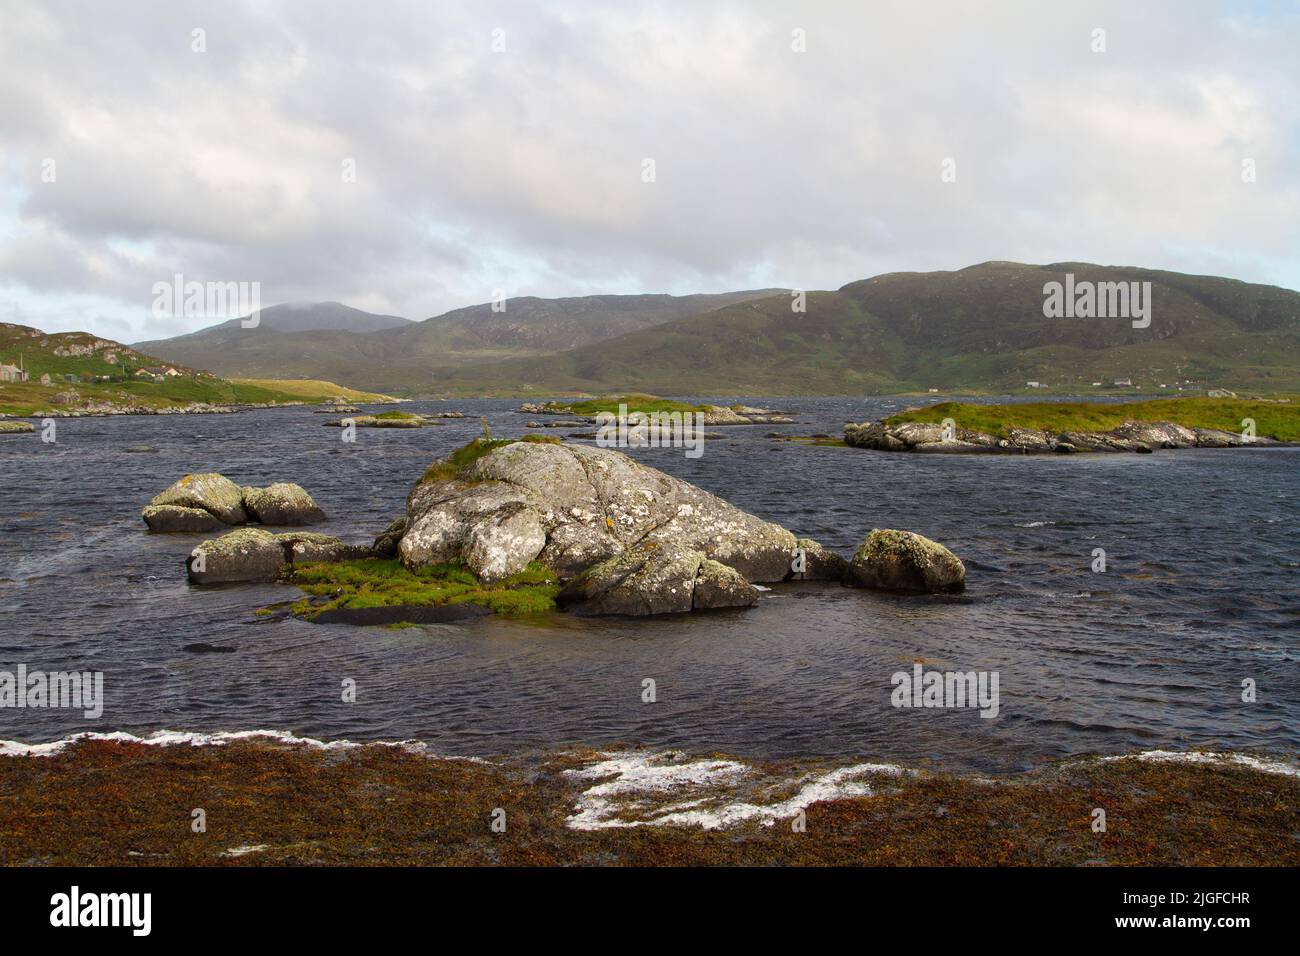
1202, 591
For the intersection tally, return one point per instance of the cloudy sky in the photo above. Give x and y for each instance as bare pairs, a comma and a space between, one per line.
504, 146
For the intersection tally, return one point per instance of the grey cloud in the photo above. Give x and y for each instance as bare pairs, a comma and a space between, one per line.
522, 169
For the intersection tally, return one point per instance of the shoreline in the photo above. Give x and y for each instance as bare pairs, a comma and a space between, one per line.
290, 801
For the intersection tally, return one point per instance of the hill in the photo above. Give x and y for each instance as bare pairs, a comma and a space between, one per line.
977, 329
72, 370
406, 357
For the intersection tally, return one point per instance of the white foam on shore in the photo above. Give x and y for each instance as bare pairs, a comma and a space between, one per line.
639, 776
180, 738
1262, 764
238, 851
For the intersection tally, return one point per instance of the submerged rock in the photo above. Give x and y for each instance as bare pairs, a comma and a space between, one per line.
210, 492
818, 563
11, 427
282, 504
653, 579
905, 561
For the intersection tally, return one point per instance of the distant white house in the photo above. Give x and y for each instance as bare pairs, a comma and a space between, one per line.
1033, 385
157, 371
12, 373
1124, 381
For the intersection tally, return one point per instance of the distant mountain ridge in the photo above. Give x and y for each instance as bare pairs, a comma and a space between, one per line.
407, 355
981, 328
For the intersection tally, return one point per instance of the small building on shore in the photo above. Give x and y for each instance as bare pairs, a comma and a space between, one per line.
13, 373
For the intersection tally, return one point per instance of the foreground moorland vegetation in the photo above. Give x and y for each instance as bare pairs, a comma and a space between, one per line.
127, 804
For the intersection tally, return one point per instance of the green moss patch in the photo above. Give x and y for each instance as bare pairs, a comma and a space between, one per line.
386, 583
397, 417
455, 464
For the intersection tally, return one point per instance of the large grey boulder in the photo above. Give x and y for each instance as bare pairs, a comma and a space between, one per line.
905, 561
167, 519
570, 507
282, 504
210, 492
653, 579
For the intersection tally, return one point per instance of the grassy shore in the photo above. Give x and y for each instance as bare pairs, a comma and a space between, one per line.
1273, 419
27, 398
312, 389
112, 803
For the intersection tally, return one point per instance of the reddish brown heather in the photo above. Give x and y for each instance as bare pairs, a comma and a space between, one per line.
102, 803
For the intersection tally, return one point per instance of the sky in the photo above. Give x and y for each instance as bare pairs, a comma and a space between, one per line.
415, 157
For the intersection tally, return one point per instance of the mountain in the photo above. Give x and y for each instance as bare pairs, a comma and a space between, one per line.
981, 328
300, 317
407, 355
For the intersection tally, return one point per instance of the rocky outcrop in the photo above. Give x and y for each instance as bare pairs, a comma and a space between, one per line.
13, 428
570, 507
1131, 436
653, 579
905, 561
744, 415
169, 519
210, 492
252, 555
182, 506
401, 420
282, 504
249, 554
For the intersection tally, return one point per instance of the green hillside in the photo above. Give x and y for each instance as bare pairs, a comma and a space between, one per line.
980, 329
84, 369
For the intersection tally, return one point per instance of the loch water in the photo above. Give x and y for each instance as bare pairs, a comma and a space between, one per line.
1201, 593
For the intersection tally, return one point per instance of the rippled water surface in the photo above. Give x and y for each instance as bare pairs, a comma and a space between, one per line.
1200, 594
